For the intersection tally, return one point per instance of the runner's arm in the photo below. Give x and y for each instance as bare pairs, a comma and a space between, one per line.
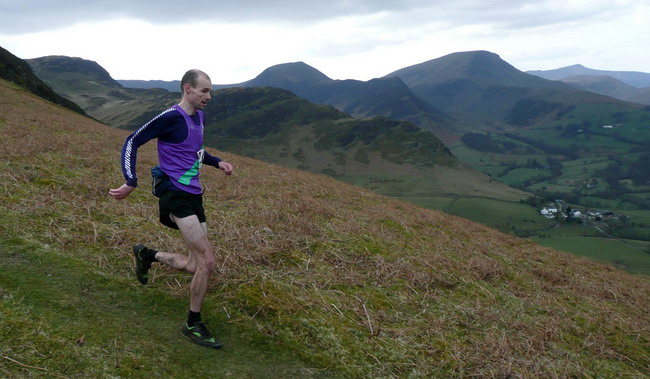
211, 160
153, 129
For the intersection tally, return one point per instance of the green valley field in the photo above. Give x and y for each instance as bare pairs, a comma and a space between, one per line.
524, 220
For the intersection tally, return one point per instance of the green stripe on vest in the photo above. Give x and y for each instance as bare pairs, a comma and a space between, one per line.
189, 174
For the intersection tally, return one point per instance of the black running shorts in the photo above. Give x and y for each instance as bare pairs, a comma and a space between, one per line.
180, 204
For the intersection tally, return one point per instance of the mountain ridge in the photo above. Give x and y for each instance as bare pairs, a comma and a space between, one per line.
358, 98
89, 85
437, 95
45, 66
474, 85
486, 67
634, 78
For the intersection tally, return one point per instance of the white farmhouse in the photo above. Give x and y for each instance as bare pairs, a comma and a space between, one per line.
548, 212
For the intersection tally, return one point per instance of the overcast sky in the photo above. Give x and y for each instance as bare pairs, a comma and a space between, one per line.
234, 41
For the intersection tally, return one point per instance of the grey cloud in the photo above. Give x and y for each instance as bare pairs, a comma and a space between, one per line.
17, 17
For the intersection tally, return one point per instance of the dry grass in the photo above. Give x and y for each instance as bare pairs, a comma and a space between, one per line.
349, 280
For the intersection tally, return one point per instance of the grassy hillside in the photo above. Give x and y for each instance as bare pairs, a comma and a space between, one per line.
315, 278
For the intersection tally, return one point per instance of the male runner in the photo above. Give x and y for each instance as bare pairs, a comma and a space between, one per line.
179, 130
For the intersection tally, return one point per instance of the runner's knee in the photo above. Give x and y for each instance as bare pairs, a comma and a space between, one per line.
210, 264
206, 262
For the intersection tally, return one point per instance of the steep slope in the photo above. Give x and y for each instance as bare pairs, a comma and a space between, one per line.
632, 78
604, 85
353, 283
17, 71
608, 86
642, 96
483, 67
478, 85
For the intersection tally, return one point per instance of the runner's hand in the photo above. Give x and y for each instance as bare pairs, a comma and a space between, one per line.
226, 167
122, 192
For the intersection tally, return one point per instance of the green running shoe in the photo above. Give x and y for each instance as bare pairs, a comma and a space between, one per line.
200, 335
141, 266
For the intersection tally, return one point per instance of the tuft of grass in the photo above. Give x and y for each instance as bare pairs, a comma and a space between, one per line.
315, 278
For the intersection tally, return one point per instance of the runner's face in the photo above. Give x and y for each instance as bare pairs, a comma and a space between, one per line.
199, 96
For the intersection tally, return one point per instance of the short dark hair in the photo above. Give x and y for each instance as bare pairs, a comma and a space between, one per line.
192, 77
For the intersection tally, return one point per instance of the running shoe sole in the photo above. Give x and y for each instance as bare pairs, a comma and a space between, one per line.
141, 267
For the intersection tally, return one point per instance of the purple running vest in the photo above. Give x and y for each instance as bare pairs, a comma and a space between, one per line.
182, 161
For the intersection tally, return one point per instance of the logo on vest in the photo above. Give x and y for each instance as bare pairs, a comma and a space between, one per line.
200, 155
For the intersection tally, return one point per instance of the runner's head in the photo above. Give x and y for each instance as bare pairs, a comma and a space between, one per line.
196, 87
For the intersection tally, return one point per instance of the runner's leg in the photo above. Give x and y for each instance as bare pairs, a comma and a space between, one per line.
201, 260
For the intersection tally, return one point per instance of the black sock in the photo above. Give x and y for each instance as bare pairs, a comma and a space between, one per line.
148, 255
192, 318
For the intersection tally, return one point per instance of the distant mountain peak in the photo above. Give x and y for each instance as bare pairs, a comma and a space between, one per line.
577, 66
294, 72
483, 67
476, 54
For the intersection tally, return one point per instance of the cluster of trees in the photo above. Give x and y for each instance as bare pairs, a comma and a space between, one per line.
619, 169
551, 164
573, 129
528, 111
541, 145
485, 142
507, 144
